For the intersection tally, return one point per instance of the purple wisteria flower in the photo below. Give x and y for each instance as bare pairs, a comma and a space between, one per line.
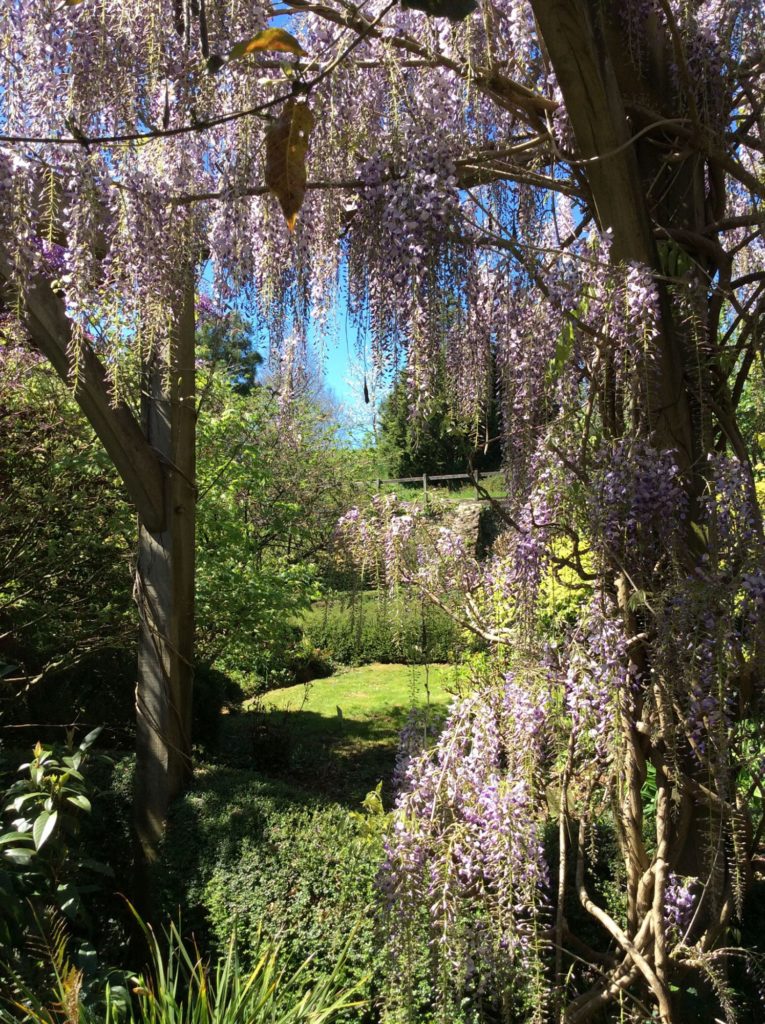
680, 901
466, 843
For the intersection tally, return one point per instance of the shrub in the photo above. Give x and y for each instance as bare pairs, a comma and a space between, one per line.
264, 858
43, 863
51, 887
213, 690
360, 628
180, 985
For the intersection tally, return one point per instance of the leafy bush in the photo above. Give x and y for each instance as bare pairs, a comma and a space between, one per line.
360, 628
52, 890
297, 662
65, 542
181, 985
271, 492
213, 690
42, 863
264, 858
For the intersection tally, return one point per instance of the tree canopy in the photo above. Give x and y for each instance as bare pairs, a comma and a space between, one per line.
436, 441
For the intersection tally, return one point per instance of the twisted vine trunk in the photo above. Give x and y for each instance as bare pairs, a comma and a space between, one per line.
661, 186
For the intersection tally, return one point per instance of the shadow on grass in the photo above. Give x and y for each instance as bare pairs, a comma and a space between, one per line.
264, 834
338, 759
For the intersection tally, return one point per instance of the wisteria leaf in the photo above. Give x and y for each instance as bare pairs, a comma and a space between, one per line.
638, 599
563, 349
271, 39
286, 150
701, 532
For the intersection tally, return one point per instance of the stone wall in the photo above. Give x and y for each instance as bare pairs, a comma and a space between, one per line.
476, 522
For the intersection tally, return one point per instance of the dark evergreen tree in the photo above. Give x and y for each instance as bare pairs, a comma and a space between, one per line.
438, 441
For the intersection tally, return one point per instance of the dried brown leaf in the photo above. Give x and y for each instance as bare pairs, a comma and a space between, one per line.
272, 39
286, 150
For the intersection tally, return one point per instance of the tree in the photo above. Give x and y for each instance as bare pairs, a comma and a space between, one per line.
225, 341
580, 184
273, 482
436, 441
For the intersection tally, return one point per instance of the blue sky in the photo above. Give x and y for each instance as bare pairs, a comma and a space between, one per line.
344, 371
340, 361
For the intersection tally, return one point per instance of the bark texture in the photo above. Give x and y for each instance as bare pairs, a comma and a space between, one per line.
164, 590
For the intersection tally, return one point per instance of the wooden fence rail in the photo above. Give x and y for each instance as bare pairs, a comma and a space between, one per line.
428, 478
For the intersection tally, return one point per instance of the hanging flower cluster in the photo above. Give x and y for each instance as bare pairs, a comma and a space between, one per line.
681, 898
639, 502
467, 844
713, 618
597, 685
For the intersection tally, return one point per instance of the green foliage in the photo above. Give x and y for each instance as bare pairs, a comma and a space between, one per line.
355, 629
183, 987
44, 864
226, 344
213, 691
562, 593
436, 442
751, 415
371, 821
264, 858
270, 494
66, 535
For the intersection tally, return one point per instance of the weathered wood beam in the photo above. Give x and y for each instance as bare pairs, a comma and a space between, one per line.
50, 331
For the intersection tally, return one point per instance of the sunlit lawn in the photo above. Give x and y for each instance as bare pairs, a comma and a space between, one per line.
338, 736
377, 693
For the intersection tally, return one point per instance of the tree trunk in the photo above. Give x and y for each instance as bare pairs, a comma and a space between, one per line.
642, 196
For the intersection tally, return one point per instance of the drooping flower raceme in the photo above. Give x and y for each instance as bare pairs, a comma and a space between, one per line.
466, 843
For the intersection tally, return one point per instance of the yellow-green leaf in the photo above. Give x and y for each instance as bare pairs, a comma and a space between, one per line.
286, 150
274, 39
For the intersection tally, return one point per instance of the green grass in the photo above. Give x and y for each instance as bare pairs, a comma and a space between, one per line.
493, 483
263, 836
378, 693
336, 737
